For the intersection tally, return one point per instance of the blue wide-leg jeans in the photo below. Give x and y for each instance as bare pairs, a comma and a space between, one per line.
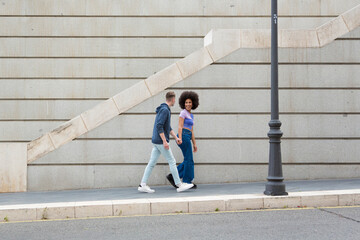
186, 168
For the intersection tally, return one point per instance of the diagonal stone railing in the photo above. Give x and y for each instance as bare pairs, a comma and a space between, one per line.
217, 44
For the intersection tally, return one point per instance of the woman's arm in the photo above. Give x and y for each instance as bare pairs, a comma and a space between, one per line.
181, 126
193, 139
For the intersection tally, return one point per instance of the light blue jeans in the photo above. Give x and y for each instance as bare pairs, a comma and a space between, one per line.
155, 154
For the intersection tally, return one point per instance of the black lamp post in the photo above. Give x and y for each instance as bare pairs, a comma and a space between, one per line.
275, 185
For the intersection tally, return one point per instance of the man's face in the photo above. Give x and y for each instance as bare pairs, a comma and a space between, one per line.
172, 102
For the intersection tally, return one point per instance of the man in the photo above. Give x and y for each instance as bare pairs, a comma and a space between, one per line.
160, 140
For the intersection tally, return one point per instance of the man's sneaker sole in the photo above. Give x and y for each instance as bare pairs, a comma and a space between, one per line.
140, 189
180, 189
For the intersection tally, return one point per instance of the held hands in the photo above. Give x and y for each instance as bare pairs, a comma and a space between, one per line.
178, 141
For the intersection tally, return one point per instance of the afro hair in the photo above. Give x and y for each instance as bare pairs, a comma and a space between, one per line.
189, 95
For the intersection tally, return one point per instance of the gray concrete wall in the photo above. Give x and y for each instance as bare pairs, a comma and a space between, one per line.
60, 58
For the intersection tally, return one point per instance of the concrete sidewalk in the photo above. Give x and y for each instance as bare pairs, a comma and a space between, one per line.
207, 198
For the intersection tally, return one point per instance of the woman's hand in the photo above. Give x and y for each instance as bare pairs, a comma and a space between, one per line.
195, 148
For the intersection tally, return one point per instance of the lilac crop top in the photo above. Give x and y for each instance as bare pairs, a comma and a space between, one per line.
188, 119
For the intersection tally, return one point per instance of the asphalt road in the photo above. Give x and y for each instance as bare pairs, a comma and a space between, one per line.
323, 223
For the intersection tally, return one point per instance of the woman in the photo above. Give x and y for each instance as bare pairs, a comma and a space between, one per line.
188, 101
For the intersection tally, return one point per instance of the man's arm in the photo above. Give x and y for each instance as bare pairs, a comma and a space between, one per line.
160, 127
165, 143
178, 140
161, 121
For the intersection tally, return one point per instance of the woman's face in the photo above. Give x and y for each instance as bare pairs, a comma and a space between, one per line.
188, 104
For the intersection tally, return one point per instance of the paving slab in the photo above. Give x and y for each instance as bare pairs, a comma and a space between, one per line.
203, 190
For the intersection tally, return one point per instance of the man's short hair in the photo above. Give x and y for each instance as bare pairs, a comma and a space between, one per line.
170, 95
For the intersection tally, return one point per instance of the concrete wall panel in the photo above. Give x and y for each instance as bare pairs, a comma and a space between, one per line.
240, 125
212, 77
44, 178
220, 151
134, 67
336, 52
222, 126
81, 68
98, 47
211, 101
165, 7
141, 26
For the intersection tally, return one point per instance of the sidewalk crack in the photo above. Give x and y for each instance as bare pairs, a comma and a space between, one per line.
339, 215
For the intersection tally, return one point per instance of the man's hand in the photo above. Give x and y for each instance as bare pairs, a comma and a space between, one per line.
178, 141
166, 145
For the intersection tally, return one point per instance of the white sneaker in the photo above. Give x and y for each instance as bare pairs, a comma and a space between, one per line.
146, 189
184, 187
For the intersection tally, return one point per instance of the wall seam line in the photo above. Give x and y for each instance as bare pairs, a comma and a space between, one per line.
209, 53
82, 119
182, 76
345, 23
117, 107
51, 140
148, 87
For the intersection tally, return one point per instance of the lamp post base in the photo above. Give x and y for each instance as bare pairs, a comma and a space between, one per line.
273, 188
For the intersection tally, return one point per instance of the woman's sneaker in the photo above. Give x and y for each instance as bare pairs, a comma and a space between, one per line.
171, 180
146, 189
184, 187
